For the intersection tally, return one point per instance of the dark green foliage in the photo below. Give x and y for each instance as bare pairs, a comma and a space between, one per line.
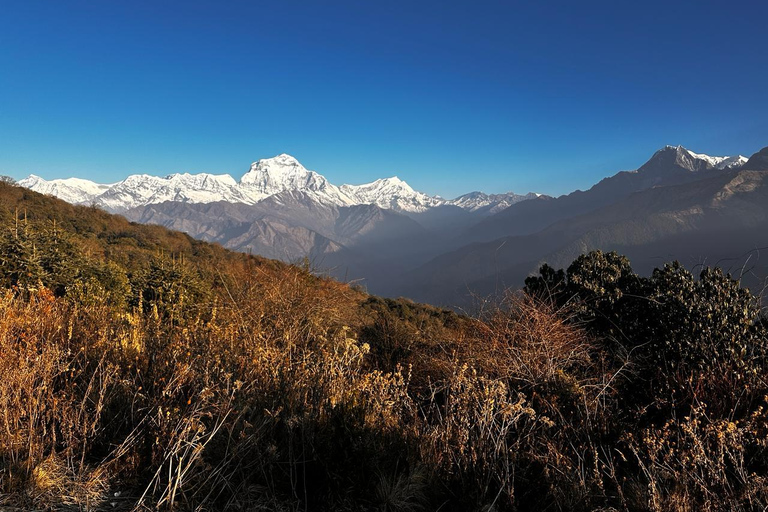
700, 324
20, 259
550, 283
170, 287
601, 279
686, 336
84, 250
599, 286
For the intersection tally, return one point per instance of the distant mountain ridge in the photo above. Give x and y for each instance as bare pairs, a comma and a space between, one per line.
715, 214
670, 165
398, 241
286, 226
265, 178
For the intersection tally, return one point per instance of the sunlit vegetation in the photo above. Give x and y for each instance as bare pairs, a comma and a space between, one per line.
145, 370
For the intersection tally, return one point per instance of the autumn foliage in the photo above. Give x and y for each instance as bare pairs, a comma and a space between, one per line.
143, 370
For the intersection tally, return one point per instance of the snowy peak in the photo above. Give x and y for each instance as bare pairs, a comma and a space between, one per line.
387, 186
680, 157
282, 173
394, 183
142, 189
71, 190
391, 193
202, 180
490, 203
720, 162
266, 178
279, 168
731, 162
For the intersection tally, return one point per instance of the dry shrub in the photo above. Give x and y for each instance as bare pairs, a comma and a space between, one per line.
53, 483
279, 390
532, 342
473, 432
402, 492
300, 390
182, 436
703, 463
266, 397
530, 357
51, 402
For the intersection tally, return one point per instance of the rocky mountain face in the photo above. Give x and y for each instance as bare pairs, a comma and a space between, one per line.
398, 241
288, 225
758, 161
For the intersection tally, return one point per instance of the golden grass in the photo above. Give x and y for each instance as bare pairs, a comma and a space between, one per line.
254, 386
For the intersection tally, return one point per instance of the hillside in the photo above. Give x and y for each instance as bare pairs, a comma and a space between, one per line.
719, 217
110, 237
145, 370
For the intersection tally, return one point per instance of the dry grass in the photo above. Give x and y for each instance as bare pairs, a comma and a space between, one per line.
277, 390
699, 460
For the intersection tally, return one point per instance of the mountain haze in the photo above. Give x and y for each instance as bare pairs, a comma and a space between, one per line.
706, 217
670, 165
398, 241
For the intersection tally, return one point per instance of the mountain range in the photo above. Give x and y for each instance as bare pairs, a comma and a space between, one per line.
265, 178
678, 205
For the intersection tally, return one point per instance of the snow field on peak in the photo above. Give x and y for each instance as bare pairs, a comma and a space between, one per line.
722, 163
719, 162
265, 178
71, 190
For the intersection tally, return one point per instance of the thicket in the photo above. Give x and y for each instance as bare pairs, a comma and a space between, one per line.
144, 370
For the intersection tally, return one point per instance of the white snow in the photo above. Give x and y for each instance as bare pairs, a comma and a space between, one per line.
271, 176
720, 162
71, 190
391, 193
494, 202
143, 189
729, 162
265, 178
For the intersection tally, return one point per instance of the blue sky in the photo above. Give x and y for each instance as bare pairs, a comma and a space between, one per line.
449, 96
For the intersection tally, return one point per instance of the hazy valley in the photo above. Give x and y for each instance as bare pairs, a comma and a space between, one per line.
400, 242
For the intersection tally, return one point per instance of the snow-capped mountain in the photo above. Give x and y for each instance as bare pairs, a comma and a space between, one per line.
265, 178
492, 203
391, 193
283, 173
720, 162
71, 190
143, 189
687, 159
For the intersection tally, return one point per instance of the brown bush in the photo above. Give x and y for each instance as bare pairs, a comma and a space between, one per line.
249, 385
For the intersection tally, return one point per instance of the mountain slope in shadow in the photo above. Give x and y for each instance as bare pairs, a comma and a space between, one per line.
722, 216
671, 165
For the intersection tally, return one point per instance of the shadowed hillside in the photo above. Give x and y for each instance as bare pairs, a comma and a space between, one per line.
719, 219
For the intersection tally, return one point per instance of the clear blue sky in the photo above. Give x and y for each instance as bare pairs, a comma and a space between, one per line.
450, 96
